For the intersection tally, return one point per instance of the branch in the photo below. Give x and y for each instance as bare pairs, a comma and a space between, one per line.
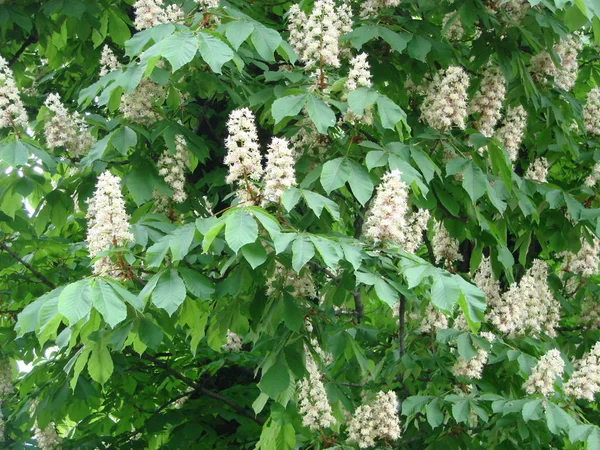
28, 266
429, 247
197, 387
358, 305
401, 311
32, 39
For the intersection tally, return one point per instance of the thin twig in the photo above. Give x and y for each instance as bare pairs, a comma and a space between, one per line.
401, 311
28, 266
197, 387
429, 247
32, 39
358, 306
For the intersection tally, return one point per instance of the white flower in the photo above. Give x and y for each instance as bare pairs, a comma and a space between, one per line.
484, 279
172, 168
390, 218
315, 37
471, 368
66, 130
593, 178
149, 13
279, 172
445, 247
454, 30
108, 61
302, 285
585, 380
584, 263
378, 420
565, 75
511, 133
538, 170
360, 74
370, 8
6, 384
445, 103
591, 112
243, 155
544, 374
46, 439
108, 223
12, 111
529, 306
137, 106
432, 321
313, 404
233, 344
488, 100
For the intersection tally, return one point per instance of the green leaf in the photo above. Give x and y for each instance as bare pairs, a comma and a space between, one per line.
461, 411
419, 47
290, 198
287, 106
180, 49
415, 404
532, 410
213, 51
302, 252
434, 413
335, 174
321, 114
444, 292
196, 283
474, 182
178, 241
328, 249
150, 334
211, 234
360, 98
316, 202
426, 166
240, 229
557, 419
118, 29
266, 41
389, 113
360, 183
593, 440
169, 292
386, 293
465, 346
237, 32
14, 154
108, 303
75, 301
255, 254
100, 364
123, 139
398, 41
276, 379
501, 164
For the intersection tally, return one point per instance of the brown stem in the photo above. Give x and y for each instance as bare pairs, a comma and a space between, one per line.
32, 39
38, 275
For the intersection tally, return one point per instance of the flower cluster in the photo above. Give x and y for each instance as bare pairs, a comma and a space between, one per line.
137, 105
544, 374
12, 111
591, 112
484, 279
511, 133
585, 262
6, 385
585, 380
445, 247
1, 427
172, 168
538, 170
488, 100
445, 102
593, 177
564, 75
108, 223
46, 439
243, 156
315, 37
313, 404
390, 218
149, 13
590, 313
471, 368
108, 61
454, 30
279, 171
378, 420
66, 130
233, 344
360, 73
370, 8
516, 9
302, 285
432, 320
528, 306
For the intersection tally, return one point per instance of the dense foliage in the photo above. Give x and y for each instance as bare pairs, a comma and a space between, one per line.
269, 225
